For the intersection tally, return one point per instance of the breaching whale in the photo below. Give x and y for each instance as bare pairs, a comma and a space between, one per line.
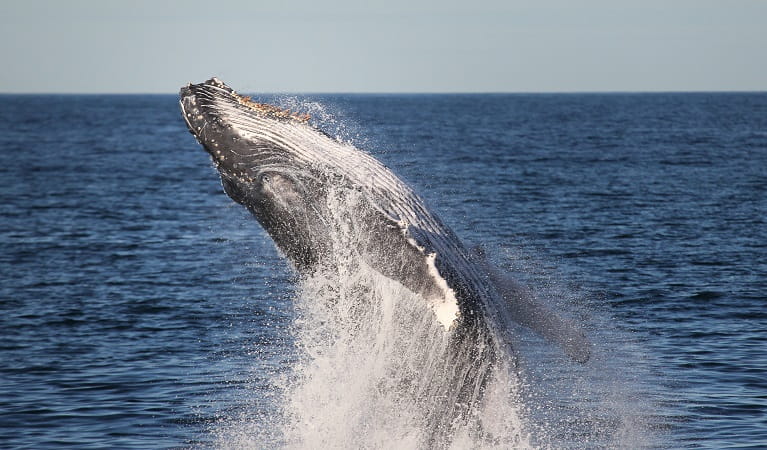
283, 169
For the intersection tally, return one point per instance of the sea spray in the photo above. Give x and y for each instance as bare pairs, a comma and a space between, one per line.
601, 404
365, 347
377, 369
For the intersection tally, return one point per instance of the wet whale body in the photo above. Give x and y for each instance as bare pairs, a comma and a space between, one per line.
293, 177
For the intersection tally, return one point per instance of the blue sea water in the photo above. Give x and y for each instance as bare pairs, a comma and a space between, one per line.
141, 308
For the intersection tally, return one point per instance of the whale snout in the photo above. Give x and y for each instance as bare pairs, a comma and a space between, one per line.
197, 103
191, 111
203, 119
215, 114
239, 133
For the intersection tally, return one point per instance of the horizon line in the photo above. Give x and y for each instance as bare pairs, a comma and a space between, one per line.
563, 92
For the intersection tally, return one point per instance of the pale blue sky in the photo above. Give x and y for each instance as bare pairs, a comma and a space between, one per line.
384, 46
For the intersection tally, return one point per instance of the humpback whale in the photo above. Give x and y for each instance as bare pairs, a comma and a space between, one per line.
285, 170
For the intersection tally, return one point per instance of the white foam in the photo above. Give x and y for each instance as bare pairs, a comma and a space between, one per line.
376, 369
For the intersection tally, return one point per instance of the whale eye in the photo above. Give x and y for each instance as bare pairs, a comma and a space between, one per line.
264, 178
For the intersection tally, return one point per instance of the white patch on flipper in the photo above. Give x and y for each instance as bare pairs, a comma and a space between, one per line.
444, 307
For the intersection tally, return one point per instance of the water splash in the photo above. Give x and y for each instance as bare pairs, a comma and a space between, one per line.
369, 354
376, 364
325, 117
376, 369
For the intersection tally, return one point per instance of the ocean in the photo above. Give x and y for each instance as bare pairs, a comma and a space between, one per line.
141, 308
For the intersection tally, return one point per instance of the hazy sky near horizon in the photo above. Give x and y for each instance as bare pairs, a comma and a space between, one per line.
305, 46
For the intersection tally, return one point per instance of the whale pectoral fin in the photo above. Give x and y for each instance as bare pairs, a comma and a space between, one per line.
410, 262
528, 311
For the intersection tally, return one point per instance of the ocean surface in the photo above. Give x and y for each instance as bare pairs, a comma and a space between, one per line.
141, 308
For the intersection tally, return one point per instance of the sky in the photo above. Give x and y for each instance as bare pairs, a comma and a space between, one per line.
338, 46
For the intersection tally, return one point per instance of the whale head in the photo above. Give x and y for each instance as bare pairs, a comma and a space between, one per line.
259, 151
